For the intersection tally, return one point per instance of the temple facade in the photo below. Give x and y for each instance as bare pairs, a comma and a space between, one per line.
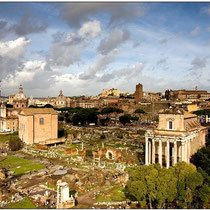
177, 137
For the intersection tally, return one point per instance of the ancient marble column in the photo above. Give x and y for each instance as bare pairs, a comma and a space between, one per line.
183, 150
188, 150
153, 151
160, 152
149, 159
167, 154
146, 151
175, 152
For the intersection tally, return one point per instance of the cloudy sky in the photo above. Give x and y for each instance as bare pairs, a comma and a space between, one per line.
85, 47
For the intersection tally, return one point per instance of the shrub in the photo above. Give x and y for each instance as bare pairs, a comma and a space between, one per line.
89, 153
15, 143
102, 136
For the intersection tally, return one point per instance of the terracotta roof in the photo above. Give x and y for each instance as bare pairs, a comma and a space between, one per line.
189, 115
32, 111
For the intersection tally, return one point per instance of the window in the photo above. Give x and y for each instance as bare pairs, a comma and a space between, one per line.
41, 121
13, 123
170, 125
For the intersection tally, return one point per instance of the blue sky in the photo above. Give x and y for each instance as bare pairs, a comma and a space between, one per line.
82, 48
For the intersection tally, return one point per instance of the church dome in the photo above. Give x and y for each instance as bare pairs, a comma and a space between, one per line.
20, 96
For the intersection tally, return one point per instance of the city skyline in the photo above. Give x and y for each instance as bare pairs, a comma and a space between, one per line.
82, 48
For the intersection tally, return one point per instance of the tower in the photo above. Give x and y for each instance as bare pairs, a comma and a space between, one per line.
138, 93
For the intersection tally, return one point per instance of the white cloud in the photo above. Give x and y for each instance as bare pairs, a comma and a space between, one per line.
13, 49
90, 29
68, 47
26, 74
115, 39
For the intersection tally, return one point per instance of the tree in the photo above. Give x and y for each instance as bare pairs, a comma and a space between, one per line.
188, 181
139, 111
152, 185
125, 119
48, 106
85, 116
15, 143
103, 121
202, 112
134, 118
202, 159
180, 186
60, 118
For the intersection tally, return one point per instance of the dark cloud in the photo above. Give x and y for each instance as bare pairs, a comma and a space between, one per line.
4, 30
2, 24
29, 24
198, 63
76, 13
115, 38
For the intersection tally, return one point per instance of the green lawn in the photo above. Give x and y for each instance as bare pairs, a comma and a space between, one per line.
24, 204
116, 194
20, 165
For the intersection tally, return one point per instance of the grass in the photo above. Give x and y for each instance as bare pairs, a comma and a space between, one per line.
115, 195
19, 165
5, 138
24, 204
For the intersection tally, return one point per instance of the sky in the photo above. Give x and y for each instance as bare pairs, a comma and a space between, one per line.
82, 48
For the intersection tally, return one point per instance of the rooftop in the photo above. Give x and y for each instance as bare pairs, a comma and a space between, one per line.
33, 111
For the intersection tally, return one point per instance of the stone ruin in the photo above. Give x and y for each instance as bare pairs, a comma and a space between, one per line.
63, 199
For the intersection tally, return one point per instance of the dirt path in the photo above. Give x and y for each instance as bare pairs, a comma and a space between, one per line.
87, 198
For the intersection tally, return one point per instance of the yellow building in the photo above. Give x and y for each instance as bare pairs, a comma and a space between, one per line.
192, 107
110, 92
38, 125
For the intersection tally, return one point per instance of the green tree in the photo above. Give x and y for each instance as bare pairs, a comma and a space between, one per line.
85, 116
181, 186
15, 143
139, 111
202, 159
152, 185
125, 119
188, 179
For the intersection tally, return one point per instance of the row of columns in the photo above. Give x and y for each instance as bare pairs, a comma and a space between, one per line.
150, 151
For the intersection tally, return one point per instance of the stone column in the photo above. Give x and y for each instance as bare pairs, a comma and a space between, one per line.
183, 150
186, 151
160, 153
189, 149
175, 152
146, 151
149, 159
167, 154
153, 151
